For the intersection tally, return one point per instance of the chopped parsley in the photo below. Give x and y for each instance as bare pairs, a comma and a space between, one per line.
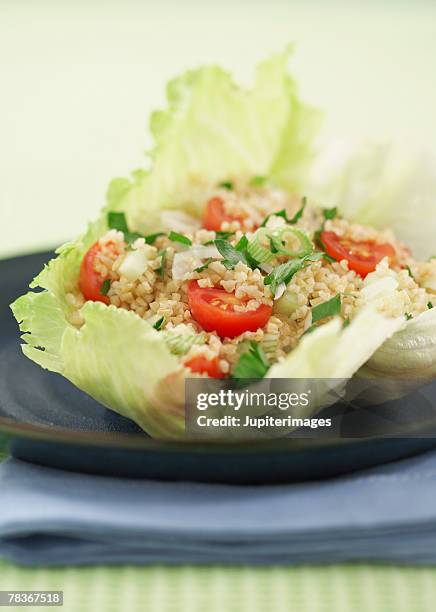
226, 185
104, 289
176, 237
408, 316
117, 221
429, 305
299, 213
327, 309
252, 364
223, 235
232, 255
330, 213
159, 323
284, 272
151, 238
161, 269
204, 266
282, 213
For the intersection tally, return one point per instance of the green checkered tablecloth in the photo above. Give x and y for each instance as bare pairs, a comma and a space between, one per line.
347, 588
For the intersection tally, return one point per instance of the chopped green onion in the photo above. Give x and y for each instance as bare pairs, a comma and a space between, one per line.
104, 289
327, 309
410, 272
278, 239
258, 181
255, 248
176, 237
346, 323
159, 323
330, 213
151, 238
408, 316
251, 364
286, 304
226, 185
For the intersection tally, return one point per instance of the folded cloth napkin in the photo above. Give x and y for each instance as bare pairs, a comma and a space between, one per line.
51, 517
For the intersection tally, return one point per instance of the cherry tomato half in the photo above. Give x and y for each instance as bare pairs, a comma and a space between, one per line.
215, 215
362, 256
89, 281
201, 365
213, 308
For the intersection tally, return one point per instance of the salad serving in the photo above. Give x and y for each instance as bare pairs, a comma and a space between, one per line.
226, 258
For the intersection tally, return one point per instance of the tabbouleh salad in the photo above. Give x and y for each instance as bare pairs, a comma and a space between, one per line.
234, 291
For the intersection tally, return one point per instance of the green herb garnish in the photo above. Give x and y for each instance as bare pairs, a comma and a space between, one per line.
251, 364
242, 243
161, 269
231, 255
204, 266
408, 316
410, 272
346, 323
299, 213
284, 272
226, 185
327, 309
117, 221
176, 237
330, 213
151, 238
223, 235
159, 323
279, 213
429, 305
105, 286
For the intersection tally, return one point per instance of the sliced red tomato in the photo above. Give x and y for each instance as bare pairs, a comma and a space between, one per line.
362, 256
202, 365
215, 215
89, 281
214, 309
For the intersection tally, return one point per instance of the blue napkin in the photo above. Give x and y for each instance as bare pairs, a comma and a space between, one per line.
50, 517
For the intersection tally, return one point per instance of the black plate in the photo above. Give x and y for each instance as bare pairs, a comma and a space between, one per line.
46, 420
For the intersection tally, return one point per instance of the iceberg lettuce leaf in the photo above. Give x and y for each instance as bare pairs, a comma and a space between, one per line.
387, 185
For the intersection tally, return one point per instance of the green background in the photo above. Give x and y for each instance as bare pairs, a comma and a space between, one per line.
77, 82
